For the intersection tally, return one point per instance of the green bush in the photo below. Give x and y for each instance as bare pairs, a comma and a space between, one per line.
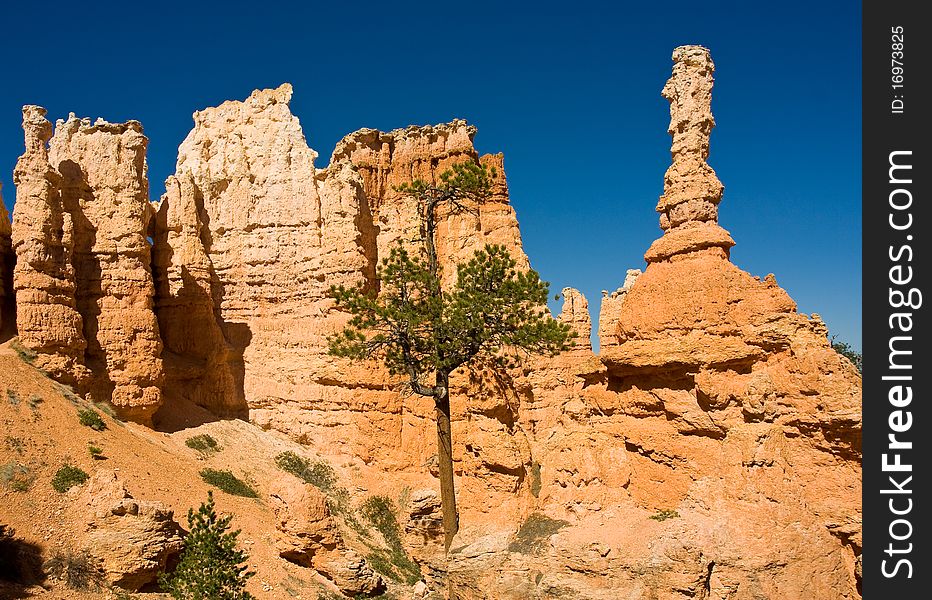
846, 350
395, 564
67, 477
663, 514
91, 418
27, 355
15, 444
16, 477
211, 566
228, 482
76, 569
317, 473
204, 443
96, 452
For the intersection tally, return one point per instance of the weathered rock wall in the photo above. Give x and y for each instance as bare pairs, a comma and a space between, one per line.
47, 320
83, 286
387, 160
103, 187
6, 269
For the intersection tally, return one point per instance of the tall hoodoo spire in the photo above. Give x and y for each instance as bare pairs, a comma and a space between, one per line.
691, 192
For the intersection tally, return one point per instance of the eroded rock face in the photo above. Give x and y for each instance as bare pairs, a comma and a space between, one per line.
251, 236
104, 188
83, 285
47, 319
576, 313
744, 383
611, 308
386, 160
309, 537
133, 541
691, 191
6, 267
200, 365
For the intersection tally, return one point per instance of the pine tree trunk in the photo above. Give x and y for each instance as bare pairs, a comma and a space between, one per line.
451, 521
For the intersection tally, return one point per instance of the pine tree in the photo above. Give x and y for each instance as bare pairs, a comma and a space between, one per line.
420, 330
211, 566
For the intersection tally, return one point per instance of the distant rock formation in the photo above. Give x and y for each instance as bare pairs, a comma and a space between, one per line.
576, 313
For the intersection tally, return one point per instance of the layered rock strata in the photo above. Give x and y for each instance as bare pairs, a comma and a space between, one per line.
83, 284
104, 188
47, 319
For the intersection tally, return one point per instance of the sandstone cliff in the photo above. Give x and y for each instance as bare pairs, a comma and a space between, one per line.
711, 449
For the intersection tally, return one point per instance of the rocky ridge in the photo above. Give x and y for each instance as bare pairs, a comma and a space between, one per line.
711, 449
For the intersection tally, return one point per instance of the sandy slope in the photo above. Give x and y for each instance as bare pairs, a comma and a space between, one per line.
45, 434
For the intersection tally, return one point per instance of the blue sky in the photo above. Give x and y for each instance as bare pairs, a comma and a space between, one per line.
569, 91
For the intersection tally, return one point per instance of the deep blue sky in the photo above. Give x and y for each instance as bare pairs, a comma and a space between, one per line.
569, 91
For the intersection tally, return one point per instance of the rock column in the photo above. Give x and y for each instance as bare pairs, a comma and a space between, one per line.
47, 319
691, 192
105, 190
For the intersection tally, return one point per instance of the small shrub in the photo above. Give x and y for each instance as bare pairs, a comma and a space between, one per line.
395, 563
68, 392
317, 473
15, 444
534, 533
91, 418
76, 569
16, 477
228, 482
108, 410
34, 401
12, 397
67, 477
24, 353
663, 514
211, 566
846, 350
203, 443
96, 452
322, 476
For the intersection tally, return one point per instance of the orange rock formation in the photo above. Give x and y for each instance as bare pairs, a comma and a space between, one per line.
6, 266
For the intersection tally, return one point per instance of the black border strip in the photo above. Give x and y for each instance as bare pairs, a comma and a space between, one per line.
895, 51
